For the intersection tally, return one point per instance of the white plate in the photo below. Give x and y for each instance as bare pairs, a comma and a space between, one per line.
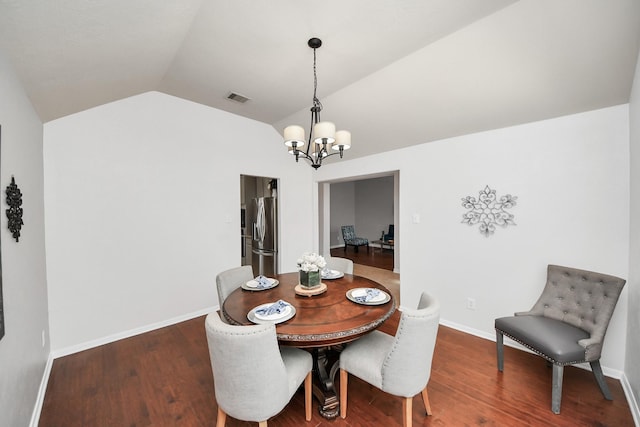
276, 318
333, 274
252, 285
381, 298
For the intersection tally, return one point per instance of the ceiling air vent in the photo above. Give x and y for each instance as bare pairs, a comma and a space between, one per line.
237, 97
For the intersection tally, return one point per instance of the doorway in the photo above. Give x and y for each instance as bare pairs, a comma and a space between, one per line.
370, 203
259, 224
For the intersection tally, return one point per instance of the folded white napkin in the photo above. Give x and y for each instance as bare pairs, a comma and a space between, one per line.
277, 307
263, 282
371, 294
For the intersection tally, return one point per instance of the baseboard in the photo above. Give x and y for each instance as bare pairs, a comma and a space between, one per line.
37, 408
633, 402
130, 333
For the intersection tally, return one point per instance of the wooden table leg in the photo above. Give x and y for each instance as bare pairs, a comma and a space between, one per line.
323, 383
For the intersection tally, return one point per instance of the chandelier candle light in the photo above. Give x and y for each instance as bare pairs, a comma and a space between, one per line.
322, 135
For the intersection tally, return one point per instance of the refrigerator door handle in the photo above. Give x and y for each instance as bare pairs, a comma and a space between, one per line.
261, 220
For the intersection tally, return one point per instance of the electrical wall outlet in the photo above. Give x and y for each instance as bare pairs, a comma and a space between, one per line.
471, 304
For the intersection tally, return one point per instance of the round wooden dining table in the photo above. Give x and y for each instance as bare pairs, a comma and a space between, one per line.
322, 322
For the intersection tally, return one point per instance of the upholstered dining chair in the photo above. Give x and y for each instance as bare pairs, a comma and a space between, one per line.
389, 236
344, 265
350, 238
230, 280
399, 365
254, 378
567, 324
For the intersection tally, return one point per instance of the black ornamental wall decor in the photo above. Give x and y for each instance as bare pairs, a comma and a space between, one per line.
14, 213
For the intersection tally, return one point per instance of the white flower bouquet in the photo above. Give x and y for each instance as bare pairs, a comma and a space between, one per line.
311, 261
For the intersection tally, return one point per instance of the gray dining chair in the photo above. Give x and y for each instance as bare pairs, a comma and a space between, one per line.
399, 365
230, 280
254, 378
344, 265
566, 325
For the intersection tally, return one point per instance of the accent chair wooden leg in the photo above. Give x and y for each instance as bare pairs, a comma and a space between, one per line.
556, 388
262, 424
500, 350
222, 418
307, 397
425, 399
407, 406
597, 372
344, 378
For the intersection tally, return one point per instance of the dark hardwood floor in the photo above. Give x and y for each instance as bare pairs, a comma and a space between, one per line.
163, 378
376, 257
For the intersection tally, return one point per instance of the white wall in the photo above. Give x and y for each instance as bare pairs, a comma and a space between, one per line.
343, 209
571, 177
23, 357
632, 367
143, 199
374, 207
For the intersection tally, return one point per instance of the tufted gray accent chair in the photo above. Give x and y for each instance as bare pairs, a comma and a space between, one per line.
254, 379
567, 324
399, 365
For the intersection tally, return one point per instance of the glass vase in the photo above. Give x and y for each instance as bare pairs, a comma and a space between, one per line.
309, 279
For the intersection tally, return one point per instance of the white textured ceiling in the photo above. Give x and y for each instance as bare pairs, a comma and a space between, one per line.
393, 72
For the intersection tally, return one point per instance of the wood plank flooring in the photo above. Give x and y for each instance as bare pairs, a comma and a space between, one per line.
376, 257
163, 378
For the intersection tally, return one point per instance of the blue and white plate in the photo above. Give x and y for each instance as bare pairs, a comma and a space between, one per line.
332, 274
253, 285
357, 294
276, 318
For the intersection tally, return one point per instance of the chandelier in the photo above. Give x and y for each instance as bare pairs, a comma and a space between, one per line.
322, 135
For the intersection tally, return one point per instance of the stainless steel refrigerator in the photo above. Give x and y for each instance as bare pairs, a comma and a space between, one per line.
263, 214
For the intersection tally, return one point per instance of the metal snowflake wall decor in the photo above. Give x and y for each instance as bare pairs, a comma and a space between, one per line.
14, 213
488, 211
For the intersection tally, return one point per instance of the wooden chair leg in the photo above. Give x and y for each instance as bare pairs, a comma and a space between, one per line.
307, 397
222, 418
262, 424
556, 388
407, 406
425, 399
344, 377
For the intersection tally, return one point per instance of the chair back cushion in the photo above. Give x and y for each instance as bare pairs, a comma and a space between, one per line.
348, 232
389, 235
249, 374
344, 265
407, 367
230, 280
581, 298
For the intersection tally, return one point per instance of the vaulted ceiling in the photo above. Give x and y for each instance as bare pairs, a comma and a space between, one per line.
394, 73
